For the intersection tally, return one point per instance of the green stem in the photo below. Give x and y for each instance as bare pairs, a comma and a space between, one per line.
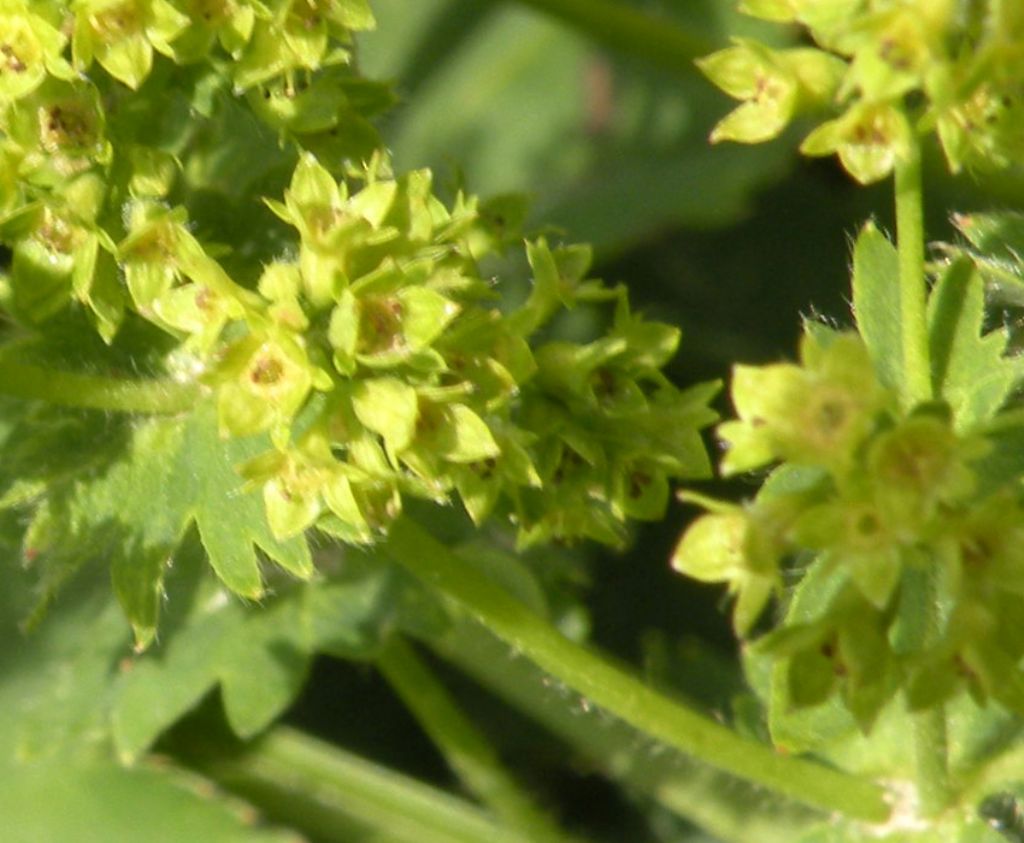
656, 40
913, 289
605, 685
71, 389
334, 795
931, 759
466, 749
728, 808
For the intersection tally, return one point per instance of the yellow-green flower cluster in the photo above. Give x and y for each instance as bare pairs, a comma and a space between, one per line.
347, 321
912, 560
83, 160
264, 39
381, 367
890, 69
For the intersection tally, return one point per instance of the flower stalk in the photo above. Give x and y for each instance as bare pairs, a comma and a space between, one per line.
465, 747
913, 289
96, 392
608, 686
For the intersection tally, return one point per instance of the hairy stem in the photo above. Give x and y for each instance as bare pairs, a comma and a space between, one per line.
466, 749
72, 389
608, 686
913, 290
731, 810
623, 28
931, 746
930, 757
335, 795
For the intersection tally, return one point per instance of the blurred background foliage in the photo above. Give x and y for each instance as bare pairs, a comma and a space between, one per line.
733, 244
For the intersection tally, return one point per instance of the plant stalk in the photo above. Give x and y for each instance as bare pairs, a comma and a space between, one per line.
465, 748
623, 28
72, 389
603, 684
729, 809
335, 795
917, 384
931, 759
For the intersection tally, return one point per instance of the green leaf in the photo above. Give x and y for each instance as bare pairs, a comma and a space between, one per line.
53, 679
810, 678
711, 550
136, 513
808, 728
996, 246
876, 303
389, 407
353, 14
43, 446
425, 315
258, 655
969, 369
57, 781
464, 437
514, 59
99, 801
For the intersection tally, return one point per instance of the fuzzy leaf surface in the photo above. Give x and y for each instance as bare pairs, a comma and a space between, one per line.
57, 780
876, 302
175, 471
969, 367
258, 655
996, 245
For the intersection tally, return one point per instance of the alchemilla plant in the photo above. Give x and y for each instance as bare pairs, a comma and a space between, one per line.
253, 373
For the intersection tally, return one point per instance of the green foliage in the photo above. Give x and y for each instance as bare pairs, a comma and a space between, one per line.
57, 687
993, 245
370, 351
911, 537
884, 533
201, 182
248, 353
258, 656
136, 512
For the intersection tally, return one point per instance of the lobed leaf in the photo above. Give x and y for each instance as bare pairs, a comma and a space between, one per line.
970, 369
57, 782
996, 245
258, 656
136, 513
